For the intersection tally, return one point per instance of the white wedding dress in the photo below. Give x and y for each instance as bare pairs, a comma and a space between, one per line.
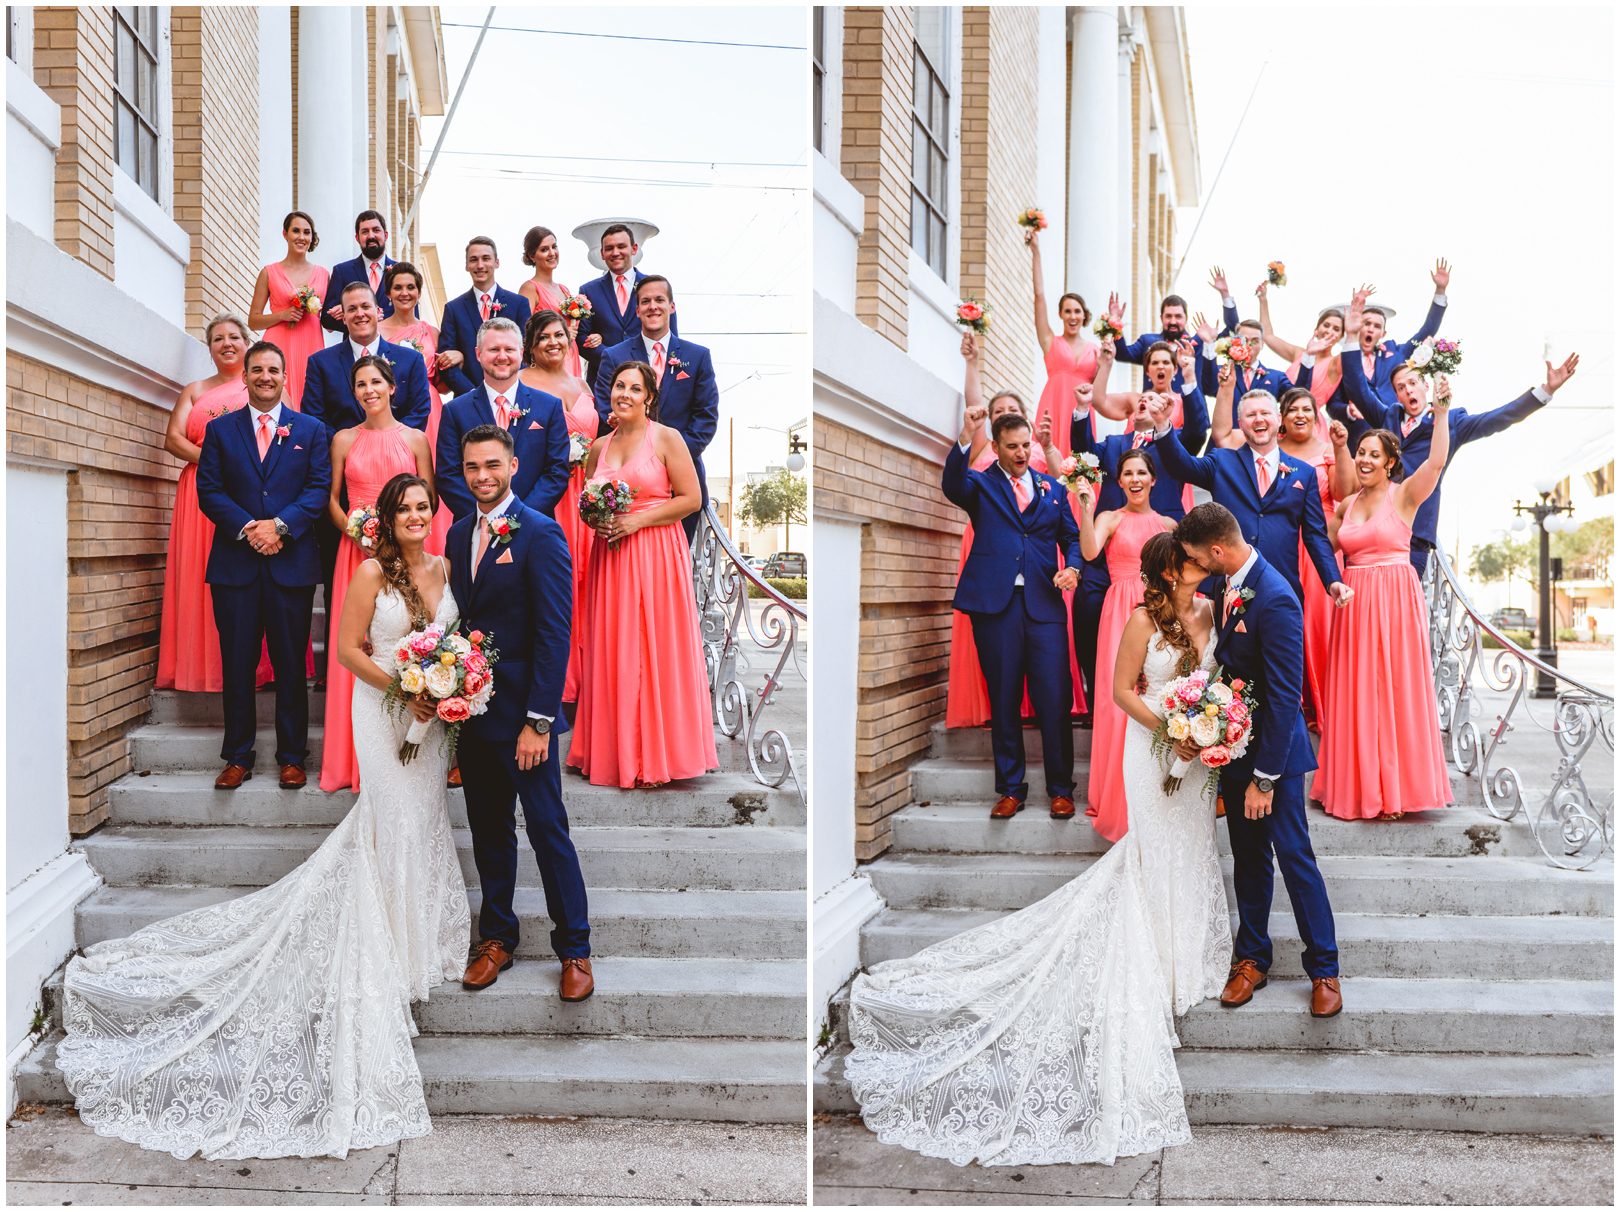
279, 1024
1047, 1036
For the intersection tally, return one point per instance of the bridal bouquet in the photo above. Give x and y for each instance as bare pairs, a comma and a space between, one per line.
1437, 356
1032, 217
1083, 467
602, 500
574, 307
975, 315
362, 527
1276, 273
1231, 349
1215, 715
579, 448
307, 300
1109, 326
456, 670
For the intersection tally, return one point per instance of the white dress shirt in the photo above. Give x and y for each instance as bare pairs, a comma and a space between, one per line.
664, 340
358, 351
275, 423
510, 393
485, 517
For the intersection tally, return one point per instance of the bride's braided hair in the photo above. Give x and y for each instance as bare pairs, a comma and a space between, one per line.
1162, 554
395, 571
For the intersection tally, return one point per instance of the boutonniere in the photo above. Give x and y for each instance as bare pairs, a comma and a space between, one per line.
283, 432
1245, 596
517, 414
680, 368
501, 530
496, 307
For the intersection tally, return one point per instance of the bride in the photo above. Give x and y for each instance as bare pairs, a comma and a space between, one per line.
1047, 1036
279, 1024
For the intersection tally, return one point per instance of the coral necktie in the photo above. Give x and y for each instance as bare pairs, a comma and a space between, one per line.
264, 435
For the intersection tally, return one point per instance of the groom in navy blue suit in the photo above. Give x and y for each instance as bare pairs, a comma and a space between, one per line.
262, 480
517, 588
1261, 640
1010, 588
465, 314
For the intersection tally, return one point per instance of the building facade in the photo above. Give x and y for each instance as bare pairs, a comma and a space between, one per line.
152, 154
934, 128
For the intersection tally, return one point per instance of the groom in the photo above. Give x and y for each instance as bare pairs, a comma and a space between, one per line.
510, 572
1261, 639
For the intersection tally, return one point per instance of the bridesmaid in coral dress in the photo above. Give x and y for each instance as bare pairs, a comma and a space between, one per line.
1121, 532
1070, 356
276, 310
967, 698
364, 459
546, 345
541, 251
643, 716
1326, 380
1381, 754
403, 283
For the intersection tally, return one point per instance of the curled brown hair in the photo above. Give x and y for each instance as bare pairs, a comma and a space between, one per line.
1162, 554
538, 323
1137, 452
531, 243
1392, 452
399, 269
381, 364
648, 379
396, 573
1085, 312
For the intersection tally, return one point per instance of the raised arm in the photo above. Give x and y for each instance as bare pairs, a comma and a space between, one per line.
959, 487
973, 391
1116, 406
1094, 531
1417, 486
1221, 432
1043, 322
1173, 456
1342, 479
1229, 312
1469, 428
1194, 411
1441, 276
1285, 350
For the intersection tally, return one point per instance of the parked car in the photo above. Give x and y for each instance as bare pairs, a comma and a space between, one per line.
756, 562
787, 564
1513, 618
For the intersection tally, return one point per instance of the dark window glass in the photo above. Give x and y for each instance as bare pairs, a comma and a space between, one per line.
818, 71
135, 54
930, 136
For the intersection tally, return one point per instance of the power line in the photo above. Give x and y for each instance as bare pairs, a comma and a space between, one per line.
599, 180
747, 334
569, 33
632, 159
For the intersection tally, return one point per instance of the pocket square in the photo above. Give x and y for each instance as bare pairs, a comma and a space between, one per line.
298, 448
534, 425
1241, 627
1297, 484
505, 557
683, 375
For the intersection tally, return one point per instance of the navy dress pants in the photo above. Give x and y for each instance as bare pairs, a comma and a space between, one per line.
1014, 648
249, 618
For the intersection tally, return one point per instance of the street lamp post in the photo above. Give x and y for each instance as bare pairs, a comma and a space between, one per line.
1548, 521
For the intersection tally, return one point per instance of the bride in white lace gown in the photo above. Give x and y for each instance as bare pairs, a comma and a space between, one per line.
279, 1024
1047, 1036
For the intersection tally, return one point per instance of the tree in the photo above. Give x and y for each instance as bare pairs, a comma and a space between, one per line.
1591, 546
782, 499
1502, 561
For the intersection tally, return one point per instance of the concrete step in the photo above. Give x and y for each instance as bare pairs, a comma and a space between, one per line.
1502, 887
208, 710
740, 1080
1560, 948
973, 744
634, 996
1474, 1093
245, 856
185, 795
966, 828
624, 922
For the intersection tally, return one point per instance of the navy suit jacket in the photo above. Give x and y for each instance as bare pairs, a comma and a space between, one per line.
292, 483
606, 320
329, 399
1264, 644
539, 439
1136, 351
1261, 378
1292, 507
1388, 355
524, 604
1166, 495
1007, 542
1465, 427
688, 396
342, 274
458, 330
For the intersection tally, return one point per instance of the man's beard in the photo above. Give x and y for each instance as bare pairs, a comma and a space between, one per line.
372, 248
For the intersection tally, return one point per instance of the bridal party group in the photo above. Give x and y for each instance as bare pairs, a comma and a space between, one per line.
594, 388
1332, 464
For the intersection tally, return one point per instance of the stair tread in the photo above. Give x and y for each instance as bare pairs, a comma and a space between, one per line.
1478, 869
597, 837
1405, 1073
721, 784
605, 902
646, 974
618, 1059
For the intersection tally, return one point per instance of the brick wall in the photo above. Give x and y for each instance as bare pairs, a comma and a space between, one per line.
876, 158
216, 163
120, 495
73, 55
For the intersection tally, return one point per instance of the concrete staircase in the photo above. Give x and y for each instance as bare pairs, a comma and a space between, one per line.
1478, 979
697, 912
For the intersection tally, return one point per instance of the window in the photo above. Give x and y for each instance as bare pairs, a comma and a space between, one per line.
818, 73
930, 135
11, 34
135, 102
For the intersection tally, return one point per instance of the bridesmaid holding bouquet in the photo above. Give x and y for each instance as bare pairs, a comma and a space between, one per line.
403, 283
1070, 356
546, 346
287, 302
541, 251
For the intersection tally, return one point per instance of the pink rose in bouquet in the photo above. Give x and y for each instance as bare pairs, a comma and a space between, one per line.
454, 710
1215, 756
1237, 711
1190, 692
473, 682
975, 315
423, 643
1202, 714
1234, 731
448, 669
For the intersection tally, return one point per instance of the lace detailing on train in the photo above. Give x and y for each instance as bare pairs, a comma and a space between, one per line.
1047, 1036
279, 1024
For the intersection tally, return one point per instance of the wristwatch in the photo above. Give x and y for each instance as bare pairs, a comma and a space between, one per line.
1263, 786
281, 527
543, 727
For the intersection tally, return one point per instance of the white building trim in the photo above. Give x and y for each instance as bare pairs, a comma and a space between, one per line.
39, 935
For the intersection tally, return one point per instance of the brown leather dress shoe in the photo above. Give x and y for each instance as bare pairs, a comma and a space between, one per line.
232, 777
1062, 808
1006, 808
1325, 999
577, 981
454, 778
1241, 983
293, 777
489, 959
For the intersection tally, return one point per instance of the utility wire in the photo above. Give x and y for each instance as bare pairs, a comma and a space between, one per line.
633, 159
569, 33
540, 175
1204, 209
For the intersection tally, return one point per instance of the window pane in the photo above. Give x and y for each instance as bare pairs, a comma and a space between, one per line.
930, 32
148, 173
919, 84
124, 149
936, 250
818, 23
936, 178
149, 26
919, 225
126, 11
124, 64
919, 155
145, 92
936, 119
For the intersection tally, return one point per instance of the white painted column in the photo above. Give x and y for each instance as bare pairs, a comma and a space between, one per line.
1050, 149
275, 129
1127, 208
327, 62
1093, 207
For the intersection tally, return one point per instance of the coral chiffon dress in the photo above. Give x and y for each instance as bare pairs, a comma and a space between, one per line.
1317, 606
1064, 372
302, 337
582, 418
552, 297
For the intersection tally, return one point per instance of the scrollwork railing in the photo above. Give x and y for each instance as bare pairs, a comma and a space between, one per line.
721, 578
1572, 826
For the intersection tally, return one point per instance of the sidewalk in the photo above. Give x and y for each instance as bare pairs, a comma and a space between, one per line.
52, 1158
1237, 1166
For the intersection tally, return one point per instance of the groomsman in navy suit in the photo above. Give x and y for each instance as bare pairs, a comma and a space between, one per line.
465, 314
371, 233
263, 479
613, 319
688, 395
1010, 588
329, 398
1377, 356
1254, 376
534, 419
1173, 328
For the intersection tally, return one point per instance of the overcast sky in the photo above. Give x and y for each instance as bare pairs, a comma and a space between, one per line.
558, 130
1381, 138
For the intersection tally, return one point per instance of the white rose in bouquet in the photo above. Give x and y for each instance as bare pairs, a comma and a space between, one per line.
411, 680
1219, 693
1178, 727
441, 681
459, 645
1423, 354
1206, 729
